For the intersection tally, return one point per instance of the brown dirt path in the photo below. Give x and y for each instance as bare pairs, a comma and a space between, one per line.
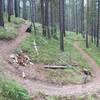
7, 46
89, 59
34, 86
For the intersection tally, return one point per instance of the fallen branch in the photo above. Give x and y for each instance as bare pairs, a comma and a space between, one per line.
57, 67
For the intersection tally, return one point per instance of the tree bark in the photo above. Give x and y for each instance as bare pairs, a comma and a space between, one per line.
43, 18
1, 14
24, 10
16, 8
87, 30
76, 17
61, 20
98, 23
47, 18
10, 9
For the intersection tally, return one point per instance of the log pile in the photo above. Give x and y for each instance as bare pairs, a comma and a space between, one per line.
20, 59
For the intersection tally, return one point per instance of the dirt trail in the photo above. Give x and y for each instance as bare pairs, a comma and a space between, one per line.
89, 60
48, 89
7, 46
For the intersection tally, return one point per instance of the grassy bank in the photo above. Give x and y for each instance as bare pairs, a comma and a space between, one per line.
9, 31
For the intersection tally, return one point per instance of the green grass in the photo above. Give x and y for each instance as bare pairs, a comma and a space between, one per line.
59, 76
17, 20
93, 51
49, 52
10, 90
41, 95
8, 32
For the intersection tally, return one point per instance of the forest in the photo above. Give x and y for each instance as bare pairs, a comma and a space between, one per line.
49, 49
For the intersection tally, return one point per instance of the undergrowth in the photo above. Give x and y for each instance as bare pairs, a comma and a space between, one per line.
8, 32
10, 90
42, 96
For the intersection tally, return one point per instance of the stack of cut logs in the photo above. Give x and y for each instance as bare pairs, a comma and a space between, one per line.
20, 58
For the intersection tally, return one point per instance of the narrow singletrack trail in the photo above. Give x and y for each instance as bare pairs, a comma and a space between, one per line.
34, 86
7, 46
89, 60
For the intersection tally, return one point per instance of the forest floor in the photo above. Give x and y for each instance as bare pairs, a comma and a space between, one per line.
34, 86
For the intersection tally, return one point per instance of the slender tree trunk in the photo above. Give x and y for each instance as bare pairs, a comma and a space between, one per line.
51, 17
94, 21
98, 23
42, 18
10, 9
3, 5
61, 19
82, 18
1, 14
33, 15
24, 10
33, 11
87, 30
47, 18
16, 8
76, 17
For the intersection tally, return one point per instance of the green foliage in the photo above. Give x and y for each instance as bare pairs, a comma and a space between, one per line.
8, 32
49, 52
10, 90
17, 21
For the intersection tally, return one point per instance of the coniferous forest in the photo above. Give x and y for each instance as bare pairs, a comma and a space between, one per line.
49, 49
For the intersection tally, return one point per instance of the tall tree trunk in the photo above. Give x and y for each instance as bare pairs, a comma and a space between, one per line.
1, 14
76, 17
42, 18
51, 17
33, 14
47, 18
33, 11
16, 8
61, 20
82, 18
24, 10
98, 23
10, 9
87, 29
94, 21
3, 5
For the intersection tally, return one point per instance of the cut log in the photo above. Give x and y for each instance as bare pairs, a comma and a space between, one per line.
57, 67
